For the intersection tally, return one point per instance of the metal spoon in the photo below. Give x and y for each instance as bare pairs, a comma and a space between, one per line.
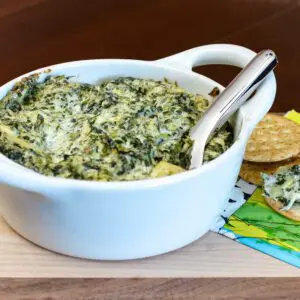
235, 95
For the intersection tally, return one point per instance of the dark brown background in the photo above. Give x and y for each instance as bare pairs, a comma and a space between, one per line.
36, 33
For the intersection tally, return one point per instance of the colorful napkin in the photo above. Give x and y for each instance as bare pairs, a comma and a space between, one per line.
249, 220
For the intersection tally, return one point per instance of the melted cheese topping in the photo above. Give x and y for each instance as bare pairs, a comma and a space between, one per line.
283, 186
119, 130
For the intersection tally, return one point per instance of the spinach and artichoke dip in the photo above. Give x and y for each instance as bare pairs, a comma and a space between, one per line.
119, 130
283, 186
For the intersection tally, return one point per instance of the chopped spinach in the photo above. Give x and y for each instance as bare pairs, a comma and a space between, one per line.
118, 130
283, 186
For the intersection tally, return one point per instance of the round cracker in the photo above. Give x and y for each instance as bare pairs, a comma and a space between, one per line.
274, 139
293, 213
251, 172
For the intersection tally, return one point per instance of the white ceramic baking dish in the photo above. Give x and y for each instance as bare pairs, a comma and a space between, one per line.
128, 220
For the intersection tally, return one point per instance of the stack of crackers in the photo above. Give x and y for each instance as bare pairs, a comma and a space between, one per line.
274, 143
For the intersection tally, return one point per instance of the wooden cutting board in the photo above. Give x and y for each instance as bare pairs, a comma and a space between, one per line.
213, 255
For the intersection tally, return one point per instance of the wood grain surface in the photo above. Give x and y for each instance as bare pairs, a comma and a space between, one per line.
146, 289
36, 33
211, 256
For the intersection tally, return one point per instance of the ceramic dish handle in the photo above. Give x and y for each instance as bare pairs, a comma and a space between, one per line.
226, 54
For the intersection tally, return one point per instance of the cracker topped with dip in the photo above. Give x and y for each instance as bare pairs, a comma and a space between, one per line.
282, 191
272, 161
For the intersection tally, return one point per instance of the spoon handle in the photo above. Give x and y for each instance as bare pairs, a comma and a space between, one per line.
236, 94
